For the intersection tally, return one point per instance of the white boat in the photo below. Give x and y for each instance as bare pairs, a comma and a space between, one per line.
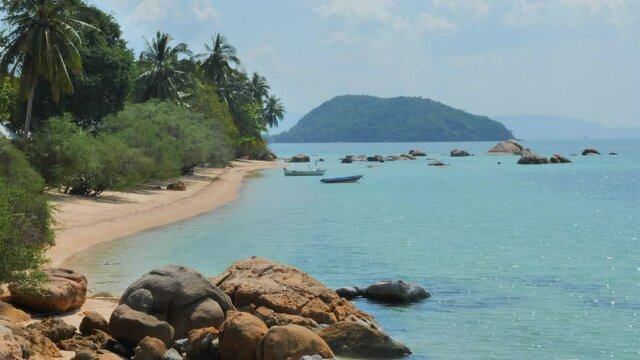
316, 172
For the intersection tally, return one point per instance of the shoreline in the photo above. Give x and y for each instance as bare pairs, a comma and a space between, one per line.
81, 223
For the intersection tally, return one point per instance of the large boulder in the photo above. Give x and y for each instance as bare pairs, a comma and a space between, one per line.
292, 342
130, 326
93, 321
180, 296
507, 147
590, 151
528, 157
256, 282
300, 158
458, 153
353, 339
241, 334
65, 290
395, 291
415, 152
559, 159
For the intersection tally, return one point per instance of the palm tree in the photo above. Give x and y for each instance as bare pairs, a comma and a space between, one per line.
218, 60
163, 77
42, 45
273, 111
259, 87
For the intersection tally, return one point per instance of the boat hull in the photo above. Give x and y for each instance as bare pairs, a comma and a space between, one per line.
318, 172
346, 179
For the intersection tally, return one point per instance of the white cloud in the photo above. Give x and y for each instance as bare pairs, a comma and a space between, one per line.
204, 10
428, 22
356, 11
479, 8
149, 11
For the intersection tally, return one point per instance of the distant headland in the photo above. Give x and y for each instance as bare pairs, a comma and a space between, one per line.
362, 118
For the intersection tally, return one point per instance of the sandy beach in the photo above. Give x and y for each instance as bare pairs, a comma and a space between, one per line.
83, 222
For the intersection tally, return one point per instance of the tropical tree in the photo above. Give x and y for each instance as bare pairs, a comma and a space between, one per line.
259, 87
42, 45
217, 62
163, 76
273, 111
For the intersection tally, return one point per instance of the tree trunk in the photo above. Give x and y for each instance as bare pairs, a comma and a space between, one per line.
27, 121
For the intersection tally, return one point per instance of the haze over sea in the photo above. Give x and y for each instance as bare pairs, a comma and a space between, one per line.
523, 262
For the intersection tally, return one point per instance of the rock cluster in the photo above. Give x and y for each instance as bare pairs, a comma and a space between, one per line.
300, 158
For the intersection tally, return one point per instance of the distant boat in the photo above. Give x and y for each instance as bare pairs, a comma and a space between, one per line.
345, 179
316, 172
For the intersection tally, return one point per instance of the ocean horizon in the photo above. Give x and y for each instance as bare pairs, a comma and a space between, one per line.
523, 261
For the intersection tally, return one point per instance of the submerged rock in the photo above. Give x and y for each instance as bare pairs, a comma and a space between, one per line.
416, 152
292, 342
529, 158
65, 290
353, 339
590, 151
559, 159
395, 291
507, 147
348, 292
458, 153
437, 163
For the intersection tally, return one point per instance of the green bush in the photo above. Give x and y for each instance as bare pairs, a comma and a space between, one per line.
70, 158
176, 138
25, 219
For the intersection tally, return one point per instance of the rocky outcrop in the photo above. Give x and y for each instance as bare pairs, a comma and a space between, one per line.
559, 159
65, 290
458, 153
179, 295
292, 342
300, 158
130, 326
415, 152
93, 321
149, 349
507, 147
530, 158
241, 334
590, 151
353, 339
256, 282
395, 291
177, 186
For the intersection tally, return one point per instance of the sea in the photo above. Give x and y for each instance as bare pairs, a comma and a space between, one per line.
522, 261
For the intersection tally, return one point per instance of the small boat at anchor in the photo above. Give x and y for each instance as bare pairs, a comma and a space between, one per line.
316, 172
345, 179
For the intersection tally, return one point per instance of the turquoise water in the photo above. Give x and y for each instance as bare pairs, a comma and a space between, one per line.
524, 262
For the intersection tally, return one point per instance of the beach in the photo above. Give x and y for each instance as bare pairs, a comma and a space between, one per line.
81, 222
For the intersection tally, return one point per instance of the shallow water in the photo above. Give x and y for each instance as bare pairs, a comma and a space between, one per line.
524, 262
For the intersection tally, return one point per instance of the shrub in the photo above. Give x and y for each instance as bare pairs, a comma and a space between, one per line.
25, 219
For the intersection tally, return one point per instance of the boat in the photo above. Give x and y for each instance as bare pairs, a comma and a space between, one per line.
345, 179
316, 172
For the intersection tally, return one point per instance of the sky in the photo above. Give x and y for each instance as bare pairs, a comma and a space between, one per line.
572, 58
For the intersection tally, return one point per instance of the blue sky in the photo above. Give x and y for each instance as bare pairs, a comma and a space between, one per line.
571, 58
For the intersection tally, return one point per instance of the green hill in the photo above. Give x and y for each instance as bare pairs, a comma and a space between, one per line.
361, 118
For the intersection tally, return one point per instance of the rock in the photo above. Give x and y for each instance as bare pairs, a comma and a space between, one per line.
286, 290
353, 339
375, 158
272, 318
529, 158
507, 147
267, 156
437, 163
177, 186
408, 156
590, 151
559, 159
241, 334
395, 291
122, 349
292, 342
300, 158
348, 293
140, 300
108, 356
183, 298
130, 326
85, 355
613, 153
93, 321
93, 343
201, 345
12, 315
181, 345
150, 349
34, 343
458, 153
171, 354
66, 290
54, 329
417, 153
346, 161
10, 348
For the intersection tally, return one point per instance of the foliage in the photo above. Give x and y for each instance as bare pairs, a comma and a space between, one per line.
353, 118
8, 96
25, 219
70, 158
273, 111
218, 61
162, 77
176, 138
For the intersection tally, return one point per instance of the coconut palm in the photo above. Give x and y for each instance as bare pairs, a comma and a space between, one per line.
164, 75
218, 60
42, 45
273, 111
259, 87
